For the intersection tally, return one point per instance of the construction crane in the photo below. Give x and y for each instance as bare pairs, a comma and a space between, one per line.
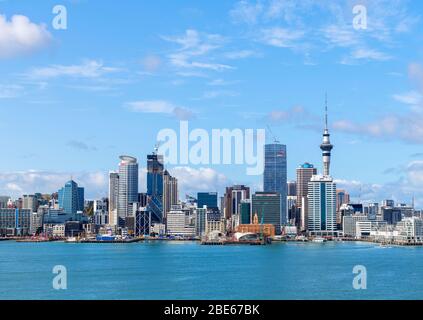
275, 139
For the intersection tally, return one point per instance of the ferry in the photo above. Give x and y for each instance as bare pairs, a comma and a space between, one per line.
319, 240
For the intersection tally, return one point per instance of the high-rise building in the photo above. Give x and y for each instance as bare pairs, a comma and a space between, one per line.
113, 197
322, 193
267, 206
155, 170
275, 174
304, 174
29, 201
170, 192
71, 198
233, 197
342, 197
291, 188
128, 188
322, 205
200, 221
208, 199
245, 211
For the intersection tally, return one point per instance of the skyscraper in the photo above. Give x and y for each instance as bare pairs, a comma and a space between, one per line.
113, 197
170, 192
275, 174
322, 193
208, 199
71, 198
233, 197
155, 169
291, 188
267, 206
128, 187
304, 174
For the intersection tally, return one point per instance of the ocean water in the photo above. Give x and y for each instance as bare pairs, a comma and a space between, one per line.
188, 270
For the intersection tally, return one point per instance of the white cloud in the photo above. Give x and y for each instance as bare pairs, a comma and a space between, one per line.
160, 107
192, 180
15, 184
408, 183
240, 54
280, 37
195, 49
21, 36
411, 98
10, 91
246, 12
88, 69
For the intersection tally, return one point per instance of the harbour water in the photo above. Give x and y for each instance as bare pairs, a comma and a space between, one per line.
188, 270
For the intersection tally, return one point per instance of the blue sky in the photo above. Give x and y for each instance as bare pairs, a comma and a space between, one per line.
72, 101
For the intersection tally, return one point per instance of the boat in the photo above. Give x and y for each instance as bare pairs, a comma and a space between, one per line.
71, 239
319, 240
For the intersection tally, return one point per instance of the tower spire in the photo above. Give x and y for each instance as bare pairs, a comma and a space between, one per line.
326, 146
326, 110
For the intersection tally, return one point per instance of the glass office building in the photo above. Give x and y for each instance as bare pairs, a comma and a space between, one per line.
71, 198
208, 199
275, 174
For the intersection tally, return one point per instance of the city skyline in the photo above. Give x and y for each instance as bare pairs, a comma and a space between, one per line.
253, 66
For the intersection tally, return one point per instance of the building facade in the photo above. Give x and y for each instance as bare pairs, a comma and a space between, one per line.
275, 174
128, 188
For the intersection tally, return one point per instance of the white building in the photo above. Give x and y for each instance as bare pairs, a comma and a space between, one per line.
179, 222
410, 230
349, 224
322, 205
364, 228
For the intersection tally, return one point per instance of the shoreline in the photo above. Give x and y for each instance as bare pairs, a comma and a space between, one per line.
211, 243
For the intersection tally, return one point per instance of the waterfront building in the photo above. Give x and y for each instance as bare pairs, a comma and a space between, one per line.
349, 224
213, 226
15, 222
322, 206
267, 206
71, 198
128, 188
410, 230
275, 175
256, 227
208, 199
304, 174
170, 192
368, 228
113, 197
178, 222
